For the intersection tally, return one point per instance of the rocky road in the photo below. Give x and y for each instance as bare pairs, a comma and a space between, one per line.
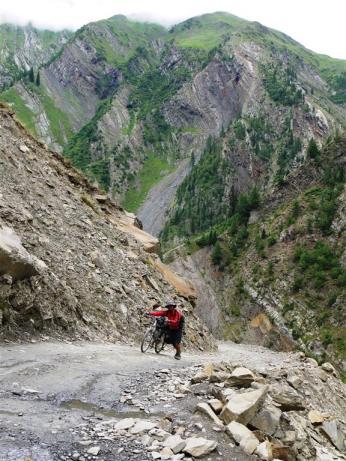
48, 389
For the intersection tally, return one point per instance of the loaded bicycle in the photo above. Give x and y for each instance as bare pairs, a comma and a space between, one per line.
155, 336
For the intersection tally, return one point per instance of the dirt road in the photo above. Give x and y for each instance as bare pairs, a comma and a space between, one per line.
46, 389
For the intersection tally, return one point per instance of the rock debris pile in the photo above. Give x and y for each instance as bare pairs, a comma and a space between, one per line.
223, 411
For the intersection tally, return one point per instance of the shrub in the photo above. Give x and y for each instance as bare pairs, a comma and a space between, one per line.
271, 240
326, 211
216, 254
279, 83
295, 209
239, 130
319, 264
297, 283
327, 338
312, 150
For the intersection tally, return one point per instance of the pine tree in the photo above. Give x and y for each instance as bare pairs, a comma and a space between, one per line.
31, 75
216, 254
38, 79
312, 151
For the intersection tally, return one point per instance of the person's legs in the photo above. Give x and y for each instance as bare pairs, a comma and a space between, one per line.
178, 351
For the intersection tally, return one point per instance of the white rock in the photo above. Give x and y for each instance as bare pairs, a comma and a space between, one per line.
216, 405
146, 440
23, 148
315, 417
142, 426
243, 407
328, 367
166, 453
85, 443
249, 444
241, 376
295, 381
175, 443
178, 457
29, 391
198, 446
126, 423
238, 431
16, 261
205, 408
94, 451
264, 451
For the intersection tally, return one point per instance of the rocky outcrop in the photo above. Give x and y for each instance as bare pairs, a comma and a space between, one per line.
26, 47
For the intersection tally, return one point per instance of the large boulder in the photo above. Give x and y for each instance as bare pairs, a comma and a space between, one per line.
183, 287
243, 407
287, 398
127, 223
15, 260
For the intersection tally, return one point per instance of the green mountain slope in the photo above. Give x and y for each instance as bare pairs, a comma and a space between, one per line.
120, 92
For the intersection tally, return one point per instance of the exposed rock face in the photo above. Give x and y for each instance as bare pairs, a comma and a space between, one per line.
210, 101
98, 281
199, 269
25, 47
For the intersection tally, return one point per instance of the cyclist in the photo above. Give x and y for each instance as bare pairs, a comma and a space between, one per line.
175, 324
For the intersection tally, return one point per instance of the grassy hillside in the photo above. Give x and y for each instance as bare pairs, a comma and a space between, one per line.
206, 32
23, 112
152, 171
117, 39
58, 121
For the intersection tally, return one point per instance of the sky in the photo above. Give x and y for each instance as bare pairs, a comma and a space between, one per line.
317, 24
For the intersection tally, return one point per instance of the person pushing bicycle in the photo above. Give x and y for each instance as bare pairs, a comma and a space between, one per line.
175, 324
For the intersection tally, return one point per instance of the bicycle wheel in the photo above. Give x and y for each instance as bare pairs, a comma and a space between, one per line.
147, 340
159, 344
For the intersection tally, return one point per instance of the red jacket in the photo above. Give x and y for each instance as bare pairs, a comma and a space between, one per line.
174, 317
